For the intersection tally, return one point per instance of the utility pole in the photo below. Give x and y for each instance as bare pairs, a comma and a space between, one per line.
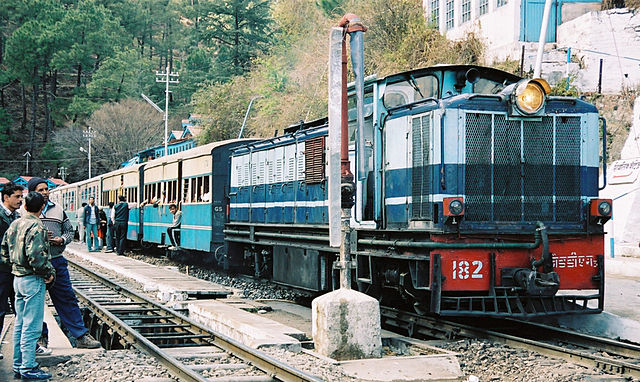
166, 77
28, 155
62, 173
89, 134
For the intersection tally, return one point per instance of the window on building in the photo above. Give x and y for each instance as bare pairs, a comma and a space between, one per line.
500, 3
483, 7
466, 11
449, 16
435, 12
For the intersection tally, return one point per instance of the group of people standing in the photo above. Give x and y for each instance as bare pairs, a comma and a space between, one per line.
31, 262
91, 219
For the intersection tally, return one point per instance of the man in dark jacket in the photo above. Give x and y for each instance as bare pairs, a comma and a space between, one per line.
121, 218
91, 223
61, 292
11, 202
25, 246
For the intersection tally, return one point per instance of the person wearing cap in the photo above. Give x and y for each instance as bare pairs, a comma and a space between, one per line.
64, 300
11, 202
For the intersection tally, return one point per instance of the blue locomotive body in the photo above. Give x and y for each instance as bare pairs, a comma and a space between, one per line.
455, 169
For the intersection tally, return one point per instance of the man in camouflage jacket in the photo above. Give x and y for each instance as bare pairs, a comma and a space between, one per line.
26, 246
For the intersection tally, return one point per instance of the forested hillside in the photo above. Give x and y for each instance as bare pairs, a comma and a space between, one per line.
66, 65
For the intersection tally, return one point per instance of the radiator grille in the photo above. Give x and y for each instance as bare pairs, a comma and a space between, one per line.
420, 175
510, 173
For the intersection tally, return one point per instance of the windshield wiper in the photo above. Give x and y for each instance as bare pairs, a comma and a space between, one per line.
414, 85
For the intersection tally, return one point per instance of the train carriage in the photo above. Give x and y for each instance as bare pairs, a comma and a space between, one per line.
477, 194
197, 181
67, 197
124, 181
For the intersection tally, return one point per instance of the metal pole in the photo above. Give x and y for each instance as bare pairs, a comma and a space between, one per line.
166, 114
522, 62
28, 155
246, 115
600, 77
89, 134
543, 38
167, 80
89, 155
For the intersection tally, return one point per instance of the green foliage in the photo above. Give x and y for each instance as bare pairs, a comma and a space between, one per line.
565, 87
196, 72
509, 66
399, 39
124, 75
82, 107
239, 30
225, 106
331, 7
6, 139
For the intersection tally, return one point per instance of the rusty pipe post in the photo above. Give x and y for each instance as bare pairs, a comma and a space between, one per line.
350, 24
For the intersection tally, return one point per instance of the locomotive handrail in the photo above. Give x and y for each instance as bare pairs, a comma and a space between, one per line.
604, 153
435, 244
413, 104
500, 97
563, 98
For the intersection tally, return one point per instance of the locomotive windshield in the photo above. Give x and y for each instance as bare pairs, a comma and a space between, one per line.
443, 82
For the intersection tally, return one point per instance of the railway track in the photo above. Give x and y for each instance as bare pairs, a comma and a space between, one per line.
608, 355
121, 318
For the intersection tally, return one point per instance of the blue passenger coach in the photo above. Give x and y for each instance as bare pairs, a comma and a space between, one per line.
197, 181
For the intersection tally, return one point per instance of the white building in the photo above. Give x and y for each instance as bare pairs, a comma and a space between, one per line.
593, 38
623, 186
503, 24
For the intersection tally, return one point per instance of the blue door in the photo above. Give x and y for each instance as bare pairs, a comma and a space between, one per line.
531, 16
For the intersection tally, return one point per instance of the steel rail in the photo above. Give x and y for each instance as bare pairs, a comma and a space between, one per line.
272, 367
429, 326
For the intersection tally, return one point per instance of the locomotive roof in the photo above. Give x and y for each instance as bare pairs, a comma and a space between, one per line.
485, 71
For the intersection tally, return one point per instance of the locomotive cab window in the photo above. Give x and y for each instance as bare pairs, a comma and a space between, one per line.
411, 90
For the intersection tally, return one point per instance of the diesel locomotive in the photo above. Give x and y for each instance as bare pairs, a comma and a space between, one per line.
476, 195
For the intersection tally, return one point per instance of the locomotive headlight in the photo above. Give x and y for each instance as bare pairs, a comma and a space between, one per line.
530, 95
604, 208
453, 206
600, 210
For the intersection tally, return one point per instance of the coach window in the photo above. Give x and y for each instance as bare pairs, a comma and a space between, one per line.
194, 188
185, 190
206, 195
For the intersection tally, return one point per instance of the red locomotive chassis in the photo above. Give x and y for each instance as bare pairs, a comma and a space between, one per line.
574, 259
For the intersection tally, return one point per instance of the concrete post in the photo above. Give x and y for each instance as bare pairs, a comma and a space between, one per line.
345, 323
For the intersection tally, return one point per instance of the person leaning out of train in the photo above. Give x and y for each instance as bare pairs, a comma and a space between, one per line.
26, 247
175, 226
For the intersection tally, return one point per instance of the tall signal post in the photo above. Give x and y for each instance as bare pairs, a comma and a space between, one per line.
89, 134
168, 78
